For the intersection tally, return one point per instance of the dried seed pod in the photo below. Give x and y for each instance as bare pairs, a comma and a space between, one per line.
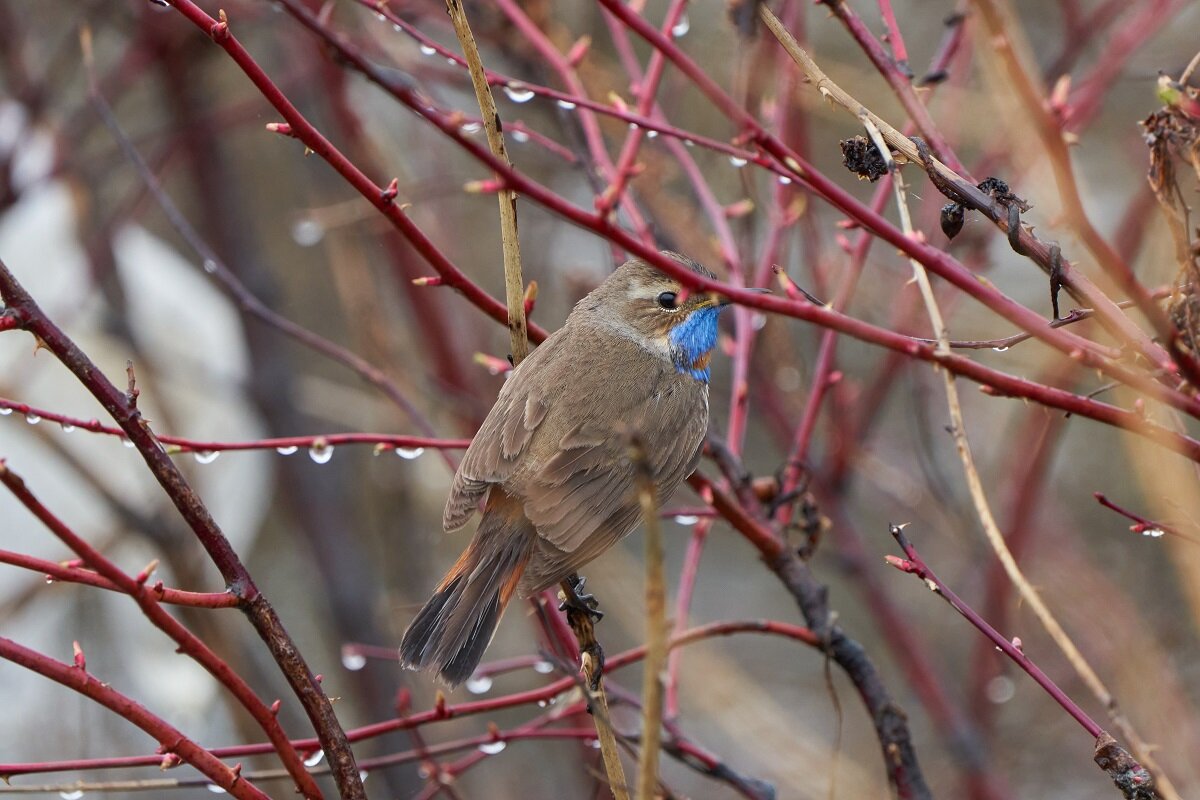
952, 219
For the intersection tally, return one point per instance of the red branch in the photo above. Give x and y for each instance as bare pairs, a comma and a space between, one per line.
913, 565
123, 408
68, 573
286, 443
172, 741
443, 711
189, 644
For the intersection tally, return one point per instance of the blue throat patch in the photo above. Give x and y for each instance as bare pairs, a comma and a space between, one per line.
692, 342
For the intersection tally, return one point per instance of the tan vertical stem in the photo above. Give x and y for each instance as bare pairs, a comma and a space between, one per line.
514, 292
514, 285
656, 629
991, 528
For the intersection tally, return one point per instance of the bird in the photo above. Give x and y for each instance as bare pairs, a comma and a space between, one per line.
551, 464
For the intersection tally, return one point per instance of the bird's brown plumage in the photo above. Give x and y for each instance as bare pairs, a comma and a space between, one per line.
551, 459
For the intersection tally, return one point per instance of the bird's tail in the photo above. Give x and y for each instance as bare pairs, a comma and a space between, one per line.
454, 628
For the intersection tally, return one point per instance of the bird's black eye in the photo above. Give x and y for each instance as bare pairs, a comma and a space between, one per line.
667, 300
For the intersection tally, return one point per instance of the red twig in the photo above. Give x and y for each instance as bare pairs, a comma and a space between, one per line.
899, 51
171, 740
446, 711
69, 573
312, 138
1142, 525
913, 565
189, 644
258, 610
1088, 352
406, 445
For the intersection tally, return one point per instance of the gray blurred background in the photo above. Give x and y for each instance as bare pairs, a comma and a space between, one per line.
347, 550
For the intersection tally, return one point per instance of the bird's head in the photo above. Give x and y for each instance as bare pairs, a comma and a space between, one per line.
657, 310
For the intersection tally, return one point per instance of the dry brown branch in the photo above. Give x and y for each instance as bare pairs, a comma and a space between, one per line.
960, 190
991, 528
514, 285
656, 628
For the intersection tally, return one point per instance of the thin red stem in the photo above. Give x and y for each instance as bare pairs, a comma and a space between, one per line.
172, 740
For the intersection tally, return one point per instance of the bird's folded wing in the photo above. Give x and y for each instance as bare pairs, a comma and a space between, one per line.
584, 498
499, 443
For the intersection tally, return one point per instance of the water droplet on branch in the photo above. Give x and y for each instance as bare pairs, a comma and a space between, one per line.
409, 453
518, 92
479, 684
321, 452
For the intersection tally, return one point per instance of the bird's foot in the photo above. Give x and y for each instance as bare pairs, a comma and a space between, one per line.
583, 612
575, 599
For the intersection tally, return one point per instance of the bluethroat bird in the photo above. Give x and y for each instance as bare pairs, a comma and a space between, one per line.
551, 464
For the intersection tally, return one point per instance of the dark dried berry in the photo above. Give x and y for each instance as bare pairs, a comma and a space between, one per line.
862, 158
994, 186
952, 219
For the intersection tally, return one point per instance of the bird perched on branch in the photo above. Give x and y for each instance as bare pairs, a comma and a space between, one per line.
551, 462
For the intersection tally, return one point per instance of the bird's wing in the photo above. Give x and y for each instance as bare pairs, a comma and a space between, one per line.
584, 496
503, 437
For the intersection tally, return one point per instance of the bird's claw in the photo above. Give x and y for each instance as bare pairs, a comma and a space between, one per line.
576, 600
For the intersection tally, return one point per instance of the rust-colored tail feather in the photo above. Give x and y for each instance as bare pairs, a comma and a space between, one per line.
454, 628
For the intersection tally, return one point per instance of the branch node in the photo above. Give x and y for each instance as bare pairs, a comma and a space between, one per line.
220, 30
389, 194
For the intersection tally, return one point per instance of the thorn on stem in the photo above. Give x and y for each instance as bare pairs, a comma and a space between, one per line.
389, 194
1056, 281
145, 574
132, 392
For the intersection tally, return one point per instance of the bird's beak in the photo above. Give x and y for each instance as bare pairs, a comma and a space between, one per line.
723, 301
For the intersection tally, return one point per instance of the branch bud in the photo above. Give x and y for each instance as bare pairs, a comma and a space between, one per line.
578, 50
393, 189
220, 31
145, 574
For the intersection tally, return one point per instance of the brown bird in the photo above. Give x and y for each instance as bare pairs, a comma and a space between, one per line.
551, 461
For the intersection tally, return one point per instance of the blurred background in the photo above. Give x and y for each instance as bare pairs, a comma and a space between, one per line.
348, 549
